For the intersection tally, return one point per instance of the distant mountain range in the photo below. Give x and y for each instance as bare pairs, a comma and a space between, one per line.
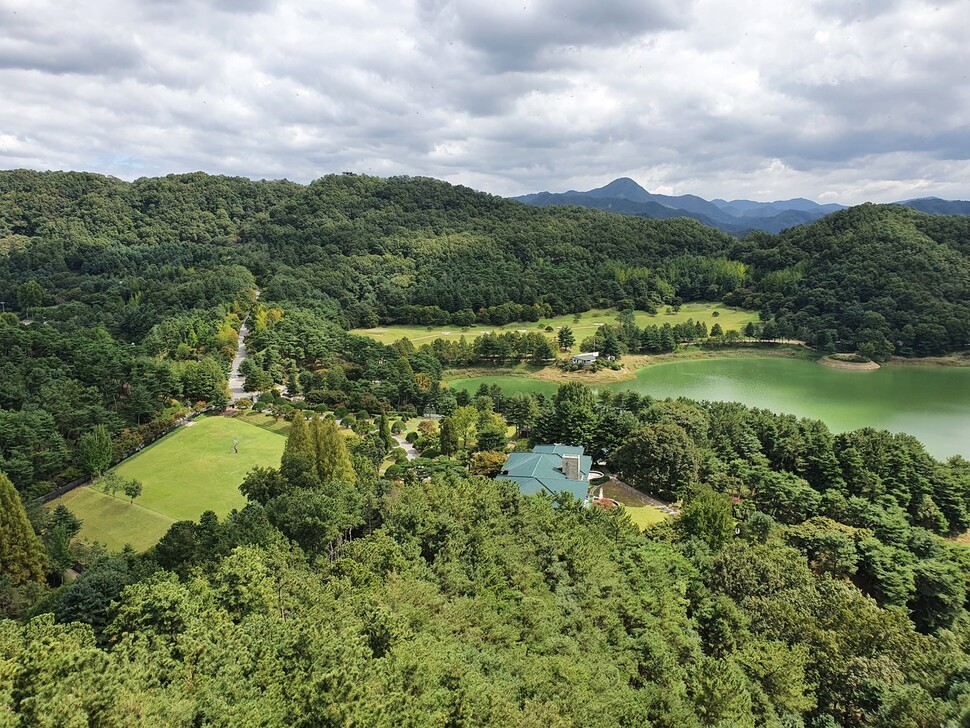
626, 197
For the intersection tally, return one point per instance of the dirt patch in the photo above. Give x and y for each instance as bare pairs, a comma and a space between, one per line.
849, 366
190, 423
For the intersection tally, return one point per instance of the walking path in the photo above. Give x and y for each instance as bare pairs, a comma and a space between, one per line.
236, 381
408, 447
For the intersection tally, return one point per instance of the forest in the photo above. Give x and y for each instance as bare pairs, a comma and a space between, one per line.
812, 579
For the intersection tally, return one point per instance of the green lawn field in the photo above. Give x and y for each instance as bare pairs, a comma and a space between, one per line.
728, 317
184, 474
641, 511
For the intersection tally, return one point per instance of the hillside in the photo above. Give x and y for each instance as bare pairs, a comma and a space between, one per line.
884, 277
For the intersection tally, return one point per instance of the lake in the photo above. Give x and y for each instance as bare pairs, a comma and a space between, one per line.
931, 403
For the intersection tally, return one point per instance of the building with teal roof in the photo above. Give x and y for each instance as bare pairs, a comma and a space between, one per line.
549, 469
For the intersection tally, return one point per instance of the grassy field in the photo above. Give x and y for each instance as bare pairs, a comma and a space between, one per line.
184, 474
729, 318
115, 522
640, 510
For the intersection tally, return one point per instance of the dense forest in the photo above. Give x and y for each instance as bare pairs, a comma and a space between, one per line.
810, 580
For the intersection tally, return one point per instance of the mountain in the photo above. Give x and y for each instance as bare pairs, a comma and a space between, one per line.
625, 196
750, 208
936, 206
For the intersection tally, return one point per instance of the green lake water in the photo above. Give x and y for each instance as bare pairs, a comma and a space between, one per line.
931, 403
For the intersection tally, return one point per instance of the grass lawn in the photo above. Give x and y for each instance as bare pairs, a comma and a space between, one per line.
182, 475
645, 516
114, 521
640, 510
729, 318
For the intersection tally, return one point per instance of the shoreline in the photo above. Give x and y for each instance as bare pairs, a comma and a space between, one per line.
632, 364
848, 366
635, 362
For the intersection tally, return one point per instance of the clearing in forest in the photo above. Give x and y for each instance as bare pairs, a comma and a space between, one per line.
728, 317
184, 474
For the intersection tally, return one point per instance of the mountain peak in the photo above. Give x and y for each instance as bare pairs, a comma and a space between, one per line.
623, 188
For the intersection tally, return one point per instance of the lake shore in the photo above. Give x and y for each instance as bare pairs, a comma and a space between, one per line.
847, 365
632, 363
961, 359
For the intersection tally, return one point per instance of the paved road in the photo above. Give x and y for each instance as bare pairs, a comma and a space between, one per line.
408, 447
236, 391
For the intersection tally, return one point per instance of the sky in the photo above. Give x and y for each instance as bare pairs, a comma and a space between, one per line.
833, 100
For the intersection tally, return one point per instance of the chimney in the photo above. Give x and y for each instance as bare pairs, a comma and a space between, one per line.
570, 466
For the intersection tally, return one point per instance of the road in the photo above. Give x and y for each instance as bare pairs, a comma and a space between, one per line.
236, 390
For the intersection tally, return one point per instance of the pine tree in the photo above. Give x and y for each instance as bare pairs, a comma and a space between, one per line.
298, 464
22, 556
332, 456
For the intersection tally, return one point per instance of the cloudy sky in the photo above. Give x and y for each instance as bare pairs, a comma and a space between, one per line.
834, 100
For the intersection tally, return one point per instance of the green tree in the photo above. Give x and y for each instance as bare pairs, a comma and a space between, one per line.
462, 422
132, 489
30, 295
565, 338
707, 516
261, 485
332, 456
299, 461
658, 459
448, 439
22, 557
487, 463
939, 595
96, 451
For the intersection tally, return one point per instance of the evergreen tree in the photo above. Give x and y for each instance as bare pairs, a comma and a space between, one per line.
332, 457
448, 438
298, 464
22, 556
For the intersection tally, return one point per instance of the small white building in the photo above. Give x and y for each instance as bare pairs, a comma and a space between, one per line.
586, 359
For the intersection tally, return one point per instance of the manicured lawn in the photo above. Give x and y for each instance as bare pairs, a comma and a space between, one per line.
114, 521
640, 510
645, 516
729, 318
184, 474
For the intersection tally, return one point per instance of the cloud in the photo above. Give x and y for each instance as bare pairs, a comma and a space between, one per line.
749, 98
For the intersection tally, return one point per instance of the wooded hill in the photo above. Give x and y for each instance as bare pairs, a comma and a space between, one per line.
414, 250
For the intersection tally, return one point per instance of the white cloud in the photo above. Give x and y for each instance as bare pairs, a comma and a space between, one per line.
722, 99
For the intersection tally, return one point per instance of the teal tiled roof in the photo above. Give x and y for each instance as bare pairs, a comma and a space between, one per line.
541, 470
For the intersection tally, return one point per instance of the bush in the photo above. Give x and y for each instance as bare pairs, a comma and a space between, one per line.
398, 427
412, 437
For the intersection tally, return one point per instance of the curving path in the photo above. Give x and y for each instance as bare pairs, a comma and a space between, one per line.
236, 381
408, 447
